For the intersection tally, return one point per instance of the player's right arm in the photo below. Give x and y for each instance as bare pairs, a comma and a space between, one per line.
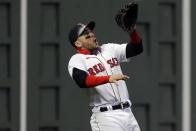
84, 80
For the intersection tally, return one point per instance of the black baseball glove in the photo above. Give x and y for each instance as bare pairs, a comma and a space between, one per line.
126, 18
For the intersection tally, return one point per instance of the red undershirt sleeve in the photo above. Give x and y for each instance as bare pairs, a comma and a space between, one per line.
134, 47
92, 81
135, 38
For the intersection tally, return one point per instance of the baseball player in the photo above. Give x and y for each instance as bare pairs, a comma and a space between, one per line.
96, 68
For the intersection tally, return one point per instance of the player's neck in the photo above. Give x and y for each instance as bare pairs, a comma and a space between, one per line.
83, 51
87, 52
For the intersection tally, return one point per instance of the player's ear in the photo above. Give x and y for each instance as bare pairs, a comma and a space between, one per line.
78, 44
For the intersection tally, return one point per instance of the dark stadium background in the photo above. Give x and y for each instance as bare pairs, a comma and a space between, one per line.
54, 102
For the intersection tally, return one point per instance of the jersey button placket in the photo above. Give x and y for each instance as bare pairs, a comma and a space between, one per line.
109, 72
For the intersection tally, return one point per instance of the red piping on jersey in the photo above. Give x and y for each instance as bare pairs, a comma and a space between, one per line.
92, 81
135, 37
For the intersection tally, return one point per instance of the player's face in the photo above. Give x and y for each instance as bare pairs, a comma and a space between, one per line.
88, 41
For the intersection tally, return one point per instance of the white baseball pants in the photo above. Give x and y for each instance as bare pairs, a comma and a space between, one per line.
114, 120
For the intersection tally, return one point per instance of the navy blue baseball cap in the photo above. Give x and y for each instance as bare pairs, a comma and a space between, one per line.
77, 30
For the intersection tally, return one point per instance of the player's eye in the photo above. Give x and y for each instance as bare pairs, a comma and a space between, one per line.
88, 36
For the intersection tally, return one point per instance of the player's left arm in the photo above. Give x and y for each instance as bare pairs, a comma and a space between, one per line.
134, 47
126, 50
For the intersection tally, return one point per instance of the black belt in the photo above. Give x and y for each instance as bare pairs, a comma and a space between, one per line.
116, 107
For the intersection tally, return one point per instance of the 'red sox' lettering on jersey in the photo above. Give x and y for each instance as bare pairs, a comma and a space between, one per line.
113, 62
96, 69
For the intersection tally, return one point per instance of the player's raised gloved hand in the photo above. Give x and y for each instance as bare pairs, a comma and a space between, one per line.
114, 78
126, 17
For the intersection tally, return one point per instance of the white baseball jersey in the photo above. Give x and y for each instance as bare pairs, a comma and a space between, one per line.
106, 62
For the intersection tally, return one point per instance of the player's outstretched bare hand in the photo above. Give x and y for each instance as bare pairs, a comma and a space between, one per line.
114, 78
